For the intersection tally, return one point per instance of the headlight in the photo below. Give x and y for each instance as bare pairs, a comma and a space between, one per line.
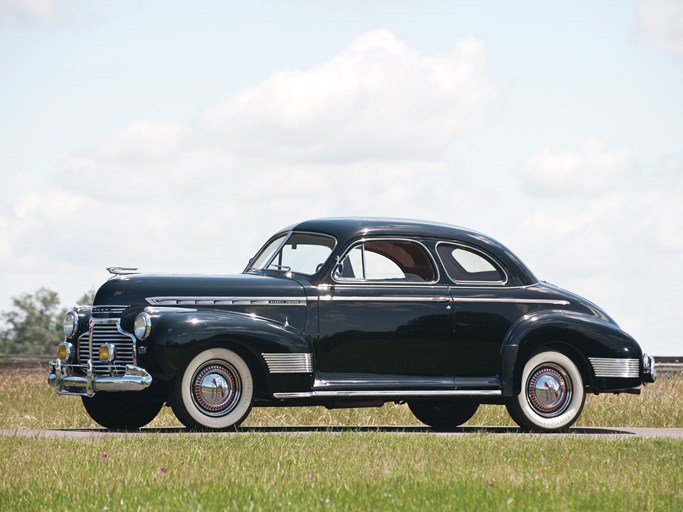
142, 327
70, 323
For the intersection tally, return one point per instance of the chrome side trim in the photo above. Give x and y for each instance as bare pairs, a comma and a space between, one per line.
389, 298
226, 301
615, 367
557, 302
289, 363
441, 298
388, 394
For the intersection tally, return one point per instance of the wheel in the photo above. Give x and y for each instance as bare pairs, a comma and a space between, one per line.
214, 392
443, 414
552, 394
122, 410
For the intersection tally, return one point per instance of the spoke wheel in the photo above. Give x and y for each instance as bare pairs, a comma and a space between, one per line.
215, 391
552, 394
443, 414
122, 410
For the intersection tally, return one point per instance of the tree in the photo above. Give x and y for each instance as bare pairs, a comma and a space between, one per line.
34, 324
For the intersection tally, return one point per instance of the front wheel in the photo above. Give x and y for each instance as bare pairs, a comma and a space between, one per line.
122, 410
443, 414
214, 392
552, 394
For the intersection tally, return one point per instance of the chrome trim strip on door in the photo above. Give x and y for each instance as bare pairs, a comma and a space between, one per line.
386, 394
442, 298
226, 301
557, 302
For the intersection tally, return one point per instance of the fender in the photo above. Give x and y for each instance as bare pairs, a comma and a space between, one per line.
580, 334
178, 334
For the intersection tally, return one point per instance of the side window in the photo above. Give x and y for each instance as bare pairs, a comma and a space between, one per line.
386, 260
468, 266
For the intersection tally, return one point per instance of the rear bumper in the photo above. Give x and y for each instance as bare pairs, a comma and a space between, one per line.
59, 377
649, 373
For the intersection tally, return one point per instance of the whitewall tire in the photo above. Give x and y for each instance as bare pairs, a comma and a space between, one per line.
552, 394
215, 391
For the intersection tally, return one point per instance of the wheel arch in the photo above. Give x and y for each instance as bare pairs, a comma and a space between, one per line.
178, 336
576, 335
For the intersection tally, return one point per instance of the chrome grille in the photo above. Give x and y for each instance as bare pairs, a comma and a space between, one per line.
106, 330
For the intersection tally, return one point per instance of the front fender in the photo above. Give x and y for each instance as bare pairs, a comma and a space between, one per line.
580, 335
177, 335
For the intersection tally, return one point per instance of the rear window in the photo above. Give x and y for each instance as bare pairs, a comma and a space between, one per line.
465, 265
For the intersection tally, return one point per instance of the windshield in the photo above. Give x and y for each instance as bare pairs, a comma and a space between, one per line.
303, 253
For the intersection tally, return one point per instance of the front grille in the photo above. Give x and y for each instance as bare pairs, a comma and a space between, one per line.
106, 330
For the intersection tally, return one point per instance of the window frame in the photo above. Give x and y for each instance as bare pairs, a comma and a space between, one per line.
285, 239
485, 255
363, 281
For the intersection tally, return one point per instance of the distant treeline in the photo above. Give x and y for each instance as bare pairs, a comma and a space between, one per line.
34, 324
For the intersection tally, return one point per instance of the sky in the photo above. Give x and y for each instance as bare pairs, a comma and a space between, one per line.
178, 136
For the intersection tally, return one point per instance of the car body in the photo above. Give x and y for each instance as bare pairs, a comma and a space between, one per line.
347, 312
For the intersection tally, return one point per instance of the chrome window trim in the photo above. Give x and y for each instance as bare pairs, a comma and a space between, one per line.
388, 393
225, 301
365, 282
484, 254
284, 241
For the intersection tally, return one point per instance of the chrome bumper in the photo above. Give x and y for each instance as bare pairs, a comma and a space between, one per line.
135, 379
649, 369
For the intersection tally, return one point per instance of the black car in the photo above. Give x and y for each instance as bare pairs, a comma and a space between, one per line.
347, 313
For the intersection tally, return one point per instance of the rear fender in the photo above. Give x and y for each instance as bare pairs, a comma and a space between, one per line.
578, 335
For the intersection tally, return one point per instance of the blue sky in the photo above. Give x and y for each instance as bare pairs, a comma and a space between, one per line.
176, 136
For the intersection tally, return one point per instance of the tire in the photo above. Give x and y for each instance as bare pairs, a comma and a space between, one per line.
122, 410
214, 392
552, 394
443, 414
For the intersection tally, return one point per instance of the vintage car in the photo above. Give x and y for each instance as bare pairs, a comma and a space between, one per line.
347, 313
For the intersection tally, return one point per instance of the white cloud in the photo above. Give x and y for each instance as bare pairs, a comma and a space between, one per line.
377, 99
591, 169
661, 23
373, 131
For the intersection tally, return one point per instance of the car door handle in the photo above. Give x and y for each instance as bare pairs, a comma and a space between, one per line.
441, 299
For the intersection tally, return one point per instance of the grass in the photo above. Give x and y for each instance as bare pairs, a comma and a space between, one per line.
348, 470
27, 402
340, 471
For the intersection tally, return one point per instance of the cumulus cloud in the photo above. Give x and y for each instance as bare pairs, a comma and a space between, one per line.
376, 99
661, 23
590, 169
373, 131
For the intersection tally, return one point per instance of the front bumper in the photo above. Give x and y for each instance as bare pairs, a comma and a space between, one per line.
59, 377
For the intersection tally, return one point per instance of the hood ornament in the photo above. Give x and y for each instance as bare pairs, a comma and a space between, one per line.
121, 271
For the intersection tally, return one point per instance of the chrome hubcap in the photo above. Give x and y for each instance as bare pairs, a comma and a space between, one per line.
216, 388
549, 390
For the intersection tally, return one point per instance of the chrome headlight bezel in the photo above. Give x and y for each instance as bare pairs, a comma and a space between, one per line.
70, 324
142, 327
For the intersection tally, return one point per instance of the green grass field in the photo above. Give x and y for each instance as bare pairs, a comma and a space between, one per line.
348, 470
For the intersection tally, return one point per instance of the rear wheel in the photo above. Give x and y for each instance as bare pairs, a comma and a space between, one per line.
122, 410
214, 392
552, 394
443, 413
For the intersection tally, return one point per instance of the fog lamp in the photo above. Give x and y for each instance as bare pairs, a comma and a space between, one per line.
65, 351
107, 353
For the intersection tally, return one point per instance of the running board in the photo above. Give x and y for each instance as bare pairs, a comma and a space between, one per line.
386, 394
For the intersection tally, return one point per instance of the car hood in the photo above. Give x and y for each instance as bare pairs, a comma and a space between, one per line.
146, 289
